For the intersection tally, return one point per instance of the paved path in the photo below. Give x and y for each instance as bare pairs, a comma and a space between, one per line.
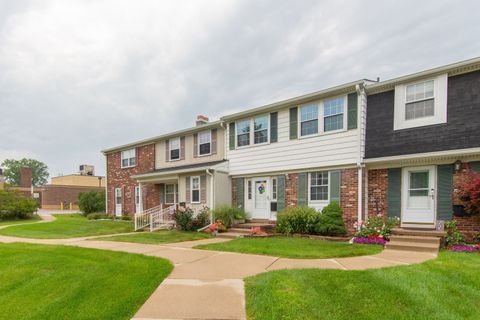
209, 284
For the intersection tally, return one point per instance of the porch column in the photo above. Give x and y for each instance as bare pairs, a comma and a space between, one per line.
140, 195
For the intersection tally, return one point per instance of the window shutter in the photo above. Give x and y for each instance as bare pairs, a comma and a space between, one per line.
214, 141
240, 193
352, 101
195, 145
394, 192
182, 148
293, 123
187, 190
167, 150
203, 189
280, 193
273, 127
162, 195
444, 192
231, 136
335, 183
475, 166
302, 190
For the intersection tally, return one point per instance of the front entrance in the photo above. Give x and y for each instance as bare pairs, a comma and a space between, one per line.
118, 202
418, 197
261, 201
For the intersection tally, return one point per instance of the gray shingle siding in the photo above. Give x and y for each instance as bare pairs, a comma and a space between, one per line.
462, 129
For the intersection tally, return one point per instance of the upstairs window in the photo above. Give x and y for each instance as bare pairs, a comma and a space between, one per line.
195, 189
420, 100
128, 158
204, 143
174, 149
333, 114
260, 130
309, 120
319, 186
243, 133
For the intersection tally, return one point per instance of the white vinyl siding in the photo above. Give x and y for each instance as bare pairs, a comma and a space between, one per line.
128, 158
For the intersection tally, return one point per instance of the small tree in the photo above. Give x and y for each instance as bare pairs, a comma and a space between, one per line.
14, 205
92, 201
331, 221
12, 171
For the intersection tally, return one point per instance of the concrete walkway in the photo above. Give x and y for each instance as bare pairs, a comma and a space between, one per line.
209, 284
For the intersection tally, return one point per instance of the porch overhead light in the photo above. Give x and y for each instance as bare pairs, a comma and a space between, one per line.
458, 165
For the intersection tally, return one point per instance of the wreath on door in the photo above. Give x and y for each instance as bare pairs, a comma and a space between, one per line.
261, 189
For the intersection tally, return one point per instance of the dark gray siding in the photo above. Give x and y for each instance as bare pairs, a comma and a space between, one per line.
462, 129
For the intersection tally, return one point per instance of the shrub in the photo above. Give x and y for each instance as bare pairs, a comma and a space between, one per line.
97, 216
331, 222
453, 237
470, 195
92, 201
376, 227
201, 219
228, 214
297, 220
126, 218
13, 205
183, 218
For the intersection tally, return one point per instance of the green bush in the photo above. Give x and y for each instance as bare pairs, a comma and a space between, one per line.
331, 221
183, 218
228, 214
201, 219
92, 201
453, 237
297, 220
13, 205
98, 215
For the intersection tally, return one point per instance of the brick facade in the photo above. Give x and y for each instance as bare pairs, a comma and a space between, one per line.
291, 190
118, 177
349, 198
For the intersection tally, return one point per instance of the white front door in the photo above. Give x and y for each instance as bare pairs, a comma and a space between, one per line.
137, 200
261, 198
418, 196
118, 202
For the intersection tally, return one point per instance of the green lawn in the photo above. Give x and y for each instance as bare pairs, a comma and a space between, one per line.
445, 288
68, 226
35, 218
58, 282
292, 247
157, 237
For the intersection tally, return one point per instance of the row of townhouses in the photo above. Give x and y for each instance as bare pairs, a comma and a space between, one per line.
400, 147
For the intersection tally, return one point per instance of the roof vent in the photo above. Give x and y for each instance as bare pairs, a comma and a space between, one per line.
201, 120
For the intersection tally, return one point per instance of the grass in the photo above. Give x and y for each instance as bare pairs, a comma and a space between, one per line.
445, 288
292, 247
35, 218
58, 282
163, 236
68, 226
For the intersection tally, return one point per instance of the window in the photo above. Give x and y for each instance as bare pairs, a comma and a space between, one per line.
128, 158
174, 149
195, 189
309, 120
419, 100
118, 196
170, 193
274, 189
204, 142
249, 189
319, 186
137, 199
333, 114
260, 130
243, 133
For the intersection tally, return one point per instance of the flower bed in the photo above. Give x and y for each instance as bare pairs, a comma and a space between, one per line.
370, 240
465, 248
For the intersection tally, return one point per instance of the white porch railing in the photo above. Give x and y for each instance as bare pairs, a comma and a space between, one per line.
156, 218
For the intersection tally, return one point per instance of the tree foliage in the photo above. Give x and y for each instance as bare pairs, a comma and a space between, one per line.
92, 201
12, 171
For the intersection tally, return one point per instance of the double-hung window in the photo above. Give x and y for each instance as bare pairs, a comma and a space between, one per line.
243, 133
170, 193
195, 189
419, 100
309, 120
319, 186
174, 149
128, 158
204, 143
333, 114
260, 130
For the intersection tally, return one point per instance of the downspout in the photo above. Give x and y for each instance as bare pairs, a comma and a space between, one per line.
360, 88
212, 199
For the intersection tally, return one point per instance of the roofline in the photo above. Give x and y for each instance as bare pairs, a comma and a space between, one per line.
176, 171
445, 153
343, 88
452, 69
144, 142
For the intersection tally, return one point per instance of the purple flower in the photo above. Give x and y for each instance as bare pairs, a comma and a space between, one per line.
465, 248
365, 240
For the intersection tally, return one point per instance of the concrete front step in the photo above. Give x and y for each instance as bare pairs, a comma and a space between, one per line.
239, 230
420, 239
418, 232
249, 225
413, 246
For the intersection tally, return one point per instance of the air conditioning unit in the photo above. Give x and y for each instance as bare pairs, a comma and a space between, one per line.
87, 170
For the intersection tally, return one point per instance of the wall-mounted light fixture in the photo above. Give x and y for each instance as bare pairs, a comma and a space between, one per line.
458, 165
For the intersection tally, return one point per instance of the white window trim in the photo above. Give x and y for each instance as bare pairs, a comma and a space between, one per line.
175, 192
198, 143
252, 132
309, 190
191, 189
122, 158
118, 190
321, 118
170, 149
440, 88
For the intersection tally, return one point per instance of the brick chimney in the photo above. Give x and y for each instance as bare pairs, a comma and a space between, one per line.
25, 177
201, 120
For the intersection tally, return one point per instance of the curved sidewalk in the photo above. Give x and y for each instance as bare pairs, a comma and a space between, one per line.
209, 284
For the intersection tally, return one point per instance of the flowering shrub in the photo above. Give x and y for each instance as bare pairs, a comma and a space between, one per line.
370, 240
217, 226
465, 248
376, 227
183, 218
470, 195
257, 231
453, 237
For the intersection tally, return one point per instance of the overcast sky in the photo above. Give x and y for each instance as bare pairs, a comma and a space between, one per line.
79, 76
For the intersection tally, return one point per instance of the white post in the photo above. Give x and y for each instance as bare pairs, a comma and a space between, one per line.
151, 225
360, 193
140, 196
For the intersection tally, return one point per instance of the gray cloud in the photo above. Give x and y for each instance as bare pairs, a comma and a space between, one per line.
79, 76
